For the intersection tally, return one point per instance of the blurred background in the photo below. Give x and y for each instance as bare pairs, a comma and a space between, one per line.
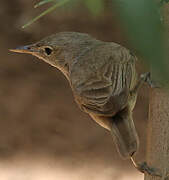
43, 134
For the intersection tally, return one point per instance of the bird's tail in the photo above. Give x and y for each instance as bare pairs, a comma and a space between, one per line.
124, 134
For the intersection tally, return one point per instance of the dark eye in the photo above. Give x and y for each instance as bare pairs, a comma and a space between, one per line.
48, 50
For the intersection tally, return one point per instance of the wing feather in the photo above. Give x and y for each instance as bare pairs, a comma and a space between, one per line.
106, 90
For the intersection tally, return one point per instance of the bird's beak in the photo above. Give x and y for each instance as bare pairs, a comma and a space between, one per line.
29, 49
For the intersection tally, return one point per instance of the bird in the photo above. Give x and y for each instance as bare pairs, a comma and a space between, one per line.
104, 82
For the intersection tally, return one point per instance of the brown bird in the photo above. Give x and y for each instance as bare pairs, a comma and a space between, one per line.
103, 79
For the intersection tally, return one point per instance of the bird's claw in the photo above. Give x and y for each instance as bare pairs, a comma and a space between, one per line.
144, 168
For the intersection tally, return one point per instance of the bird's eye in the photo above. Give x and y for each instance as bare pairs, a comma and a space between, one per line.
48, 50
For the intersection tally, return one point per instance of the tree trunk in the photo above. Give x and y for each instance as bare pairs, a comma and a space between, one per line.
158, 125
158, 134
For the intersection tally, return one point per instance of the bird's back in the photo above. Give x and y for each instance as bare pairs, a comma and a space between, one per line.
101, 78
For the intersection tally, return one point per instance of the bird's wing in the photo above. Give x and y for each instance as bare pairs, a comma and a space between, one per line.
106, 90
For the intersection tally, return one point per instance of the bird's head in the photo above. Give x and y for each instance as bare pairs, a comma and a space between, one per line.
56, 49
50, 49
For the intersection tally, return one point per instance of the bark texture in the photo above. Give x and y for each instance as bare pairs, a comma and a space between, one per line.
158, 134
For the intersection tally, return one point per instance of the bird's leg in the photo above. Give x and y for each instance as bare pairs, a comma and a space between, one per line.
146, 77
144, 168
142, 79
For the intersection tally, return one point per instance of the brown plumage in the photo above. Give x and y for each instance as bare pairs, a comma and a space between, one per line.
103, 79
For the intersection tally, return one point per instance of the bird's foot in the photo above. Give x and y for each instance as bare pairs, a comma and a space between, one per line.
146, 77
144, 168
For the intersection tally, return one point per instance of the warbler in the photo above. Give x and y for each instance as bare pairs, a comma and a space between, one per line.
104, 81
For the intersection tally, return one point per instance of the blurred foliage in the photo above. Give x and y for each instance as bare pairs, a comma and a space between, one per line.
57, 3
142, 22
145, 31
43, 2
162, 2
94, 6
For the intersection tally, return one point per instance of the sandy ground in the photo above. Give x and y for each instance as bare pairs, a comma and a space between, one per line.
43, 134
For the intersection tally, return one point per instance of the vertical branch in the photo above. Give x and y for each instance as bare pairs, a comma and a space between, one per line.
158, 127
158, 133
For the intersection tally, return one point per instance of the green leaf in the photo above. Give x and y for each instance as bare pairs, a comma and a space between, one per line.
58, 4
95, 6
42, 3
145, 31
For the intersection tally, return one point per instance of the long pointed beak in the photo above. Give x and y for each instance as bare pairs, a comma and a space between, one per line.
24, 49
